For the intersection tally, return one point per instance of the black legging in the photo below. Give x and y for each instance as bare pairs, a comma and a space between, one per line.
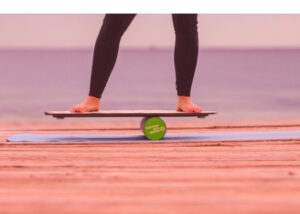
107, 46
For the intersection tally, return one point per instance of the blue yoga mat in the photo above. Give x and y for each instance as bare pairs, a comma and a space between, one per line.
104, 138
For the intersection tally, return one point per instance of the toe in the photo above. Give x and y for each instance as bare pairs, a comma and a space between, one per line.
77, 109
189, 110
198, 110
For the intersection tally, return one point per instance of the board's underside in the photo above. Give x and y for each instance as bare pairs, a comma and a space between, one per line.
129, 113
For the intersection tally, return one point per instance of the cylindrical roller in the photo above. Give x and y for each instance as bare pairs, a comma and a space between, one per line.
154, 128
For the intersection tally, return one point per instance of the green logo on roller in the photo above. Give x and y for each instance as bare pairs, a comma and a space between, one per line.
154, 128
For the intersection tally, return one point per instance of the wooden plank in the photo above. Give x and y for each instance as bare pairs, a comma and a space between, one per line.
130, 113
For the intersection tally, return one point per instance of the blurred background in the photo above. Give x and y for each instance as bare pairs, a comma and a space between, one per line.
248, 66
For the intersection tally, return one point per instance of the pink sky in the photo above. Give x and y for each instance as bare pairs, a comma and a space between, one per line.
64, 31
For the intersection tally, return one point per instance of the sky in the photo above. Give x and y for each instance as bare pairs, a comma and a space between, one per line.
150, 31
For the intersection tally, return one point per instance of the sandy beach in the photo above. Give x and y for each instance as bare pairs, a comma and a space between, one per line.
185, 177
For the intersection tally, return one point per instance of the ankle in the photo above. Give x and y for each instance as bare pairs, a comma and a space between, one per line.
184, 98
92, 99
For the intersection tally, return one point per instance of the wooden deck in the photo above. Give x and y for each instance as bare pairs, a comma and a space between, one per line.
206, 177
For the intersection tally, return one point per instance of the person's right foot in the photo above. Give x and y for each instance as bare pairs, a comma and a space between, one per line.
90, 104
185, 104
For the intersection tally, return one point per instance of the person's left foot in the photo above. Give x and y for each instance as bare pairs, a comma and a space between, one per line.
185, 104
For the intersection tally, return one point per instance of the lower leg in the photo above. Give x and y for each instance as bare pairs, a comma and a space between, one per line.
185, 58
106, 50
104, 58
186, 51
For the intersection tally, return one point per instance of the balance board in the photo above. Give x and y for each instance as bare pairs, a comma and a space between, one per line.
152, 125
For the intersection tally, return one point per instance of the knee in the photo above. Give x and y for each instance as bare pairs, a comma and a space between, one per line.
186, 28
111, 31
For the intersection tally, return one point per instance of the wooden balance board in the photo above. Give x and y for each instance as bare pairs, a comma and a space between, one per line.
153, 127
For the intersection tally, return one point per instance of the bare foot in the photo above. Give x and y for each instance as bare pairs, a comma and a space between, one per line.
90, 104
185, 104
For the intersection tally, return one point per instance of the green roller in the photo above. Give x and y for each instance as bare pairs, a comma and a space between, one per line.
154, 128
